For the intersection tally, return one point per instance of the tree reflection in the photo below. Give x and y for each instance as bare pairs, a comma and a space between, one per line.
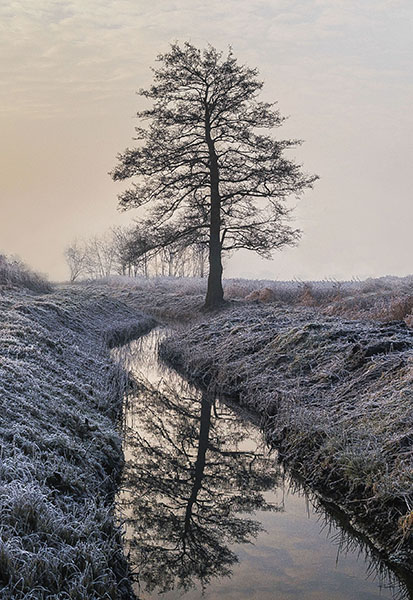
191, 480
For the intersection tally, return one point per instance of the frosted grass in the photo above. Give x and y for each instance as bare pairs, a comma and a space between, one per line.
60, 443
13, 273
335, 396
181, 298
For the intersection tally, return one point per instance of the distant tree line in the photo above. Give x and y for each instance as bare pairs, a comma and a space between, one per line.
134, 252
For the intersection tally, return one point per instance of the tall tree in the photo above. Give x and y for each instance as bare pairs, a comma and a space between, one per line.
203, 167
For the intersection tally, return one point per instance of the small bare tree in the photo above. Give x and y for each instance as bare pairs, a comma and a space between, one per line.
75, 256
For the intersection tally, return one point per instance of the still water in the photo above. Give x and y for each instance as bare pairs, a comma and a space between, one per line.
210, 513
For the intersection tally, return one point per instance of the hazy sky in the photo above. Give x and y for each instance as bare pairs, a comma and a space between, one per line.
341, 69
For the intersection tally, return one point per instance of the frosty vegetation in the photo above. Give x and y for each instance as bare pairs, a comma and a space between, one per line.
327, 364
60, 453
180, 298
335, 396
14, 273
329, 367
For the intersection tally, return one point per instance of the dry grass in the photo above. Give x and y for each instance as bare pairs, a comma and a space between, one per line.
180, 299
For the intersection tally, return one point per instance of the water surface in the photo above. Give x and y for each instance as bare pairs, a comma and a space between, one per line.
210, 513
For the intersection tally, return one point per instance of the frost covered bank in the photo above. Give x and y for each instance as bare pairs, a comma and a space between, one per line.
336, 396
60, 448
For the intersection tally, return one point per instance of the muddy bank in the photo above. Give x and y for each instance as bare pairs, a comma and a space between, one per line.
61, 453
336, 399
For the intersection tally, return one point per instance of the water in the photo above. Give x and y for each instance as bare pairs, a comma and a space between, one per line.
210, 513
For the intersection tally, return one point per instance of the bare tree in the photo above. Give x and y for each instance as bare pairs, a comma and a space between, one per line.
202, 169
121, 240
96, 258
75, 256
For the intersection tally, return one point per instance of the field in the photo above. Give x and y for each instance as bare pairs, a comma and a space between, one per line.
328, 365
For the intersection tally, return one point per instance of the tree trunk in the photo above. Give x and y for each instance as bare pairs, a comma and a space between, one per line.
215, 292
145, 265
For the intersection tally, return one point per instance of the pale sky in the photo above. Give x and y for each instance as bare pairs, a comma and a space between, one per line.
341, 69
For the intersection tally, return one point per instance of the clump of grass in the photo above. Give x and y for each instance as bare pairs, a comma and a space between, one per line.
60, 445
13, 273
335, 396
399, 308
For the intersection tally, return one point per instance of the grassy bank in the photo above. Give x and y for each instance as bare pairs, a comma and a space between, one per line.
328, 365
180, 299
60, 443
336, 399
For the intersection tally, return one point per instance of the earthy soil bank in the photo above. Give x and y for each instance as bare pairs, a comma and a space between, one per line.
60, 443
336, 399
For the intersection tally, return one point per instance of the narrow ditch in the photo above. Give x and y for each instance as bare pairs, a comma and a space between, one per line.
209, 510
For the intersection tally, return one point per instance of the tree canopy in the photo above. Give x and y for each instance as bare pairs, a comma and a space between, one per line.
203, 166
